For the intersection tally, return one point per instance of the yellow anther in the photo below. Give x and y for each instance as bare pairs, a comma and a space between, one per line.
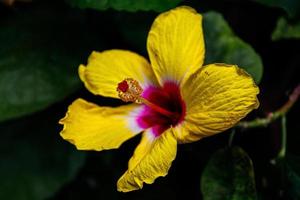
129, 90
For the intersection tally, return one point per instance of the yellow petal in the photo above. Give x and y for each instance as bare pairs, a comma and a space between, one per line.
91, 127
106, 69
216, 98
175, 44
152, 158
185, 133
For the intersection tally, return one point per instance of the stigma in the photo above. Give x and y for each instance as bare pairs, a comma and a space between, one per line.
129, 90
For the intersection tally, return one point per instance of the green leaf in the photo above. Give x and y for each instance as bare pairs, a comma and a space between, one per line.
222, 46
35, 161
41, 48
286, 30
229, 175
291, 7
127, 5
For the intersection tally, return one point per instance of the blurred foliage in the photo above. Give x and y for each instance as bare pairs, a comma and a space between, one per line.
286, 30
35, 162
39, 54
229, 175
291, 7
128, 5
223, 46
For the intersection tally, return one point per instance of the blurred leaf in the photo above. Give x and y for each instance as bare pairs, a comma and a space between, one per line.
41, 48
229, 176
292, 7
134, 28
285, 30
128, 5
222, 46
293, 176
35, 161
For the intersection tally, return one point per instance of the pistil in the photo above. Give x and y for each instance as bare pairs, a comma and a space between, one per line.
129, 90
157, 108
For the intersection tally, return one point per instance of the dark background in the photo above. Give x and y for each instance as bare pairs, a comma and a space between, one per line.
253, 23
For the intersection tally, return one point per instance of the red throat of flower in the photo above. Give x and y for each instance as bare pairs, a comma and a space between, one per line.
164, 105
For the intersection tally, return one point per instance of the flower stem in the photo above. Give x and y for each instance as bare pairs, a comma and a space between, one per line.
282, 151
231, 137
263, 122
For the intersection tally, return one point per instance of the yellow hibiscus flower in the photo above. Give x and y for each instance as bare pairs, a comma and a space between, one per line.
175, 98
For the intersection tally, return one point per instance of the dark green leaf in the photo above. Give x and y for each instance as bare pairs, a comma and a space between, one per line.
35, 161
41, 48
222, 46
134, 28
286, 30
128, 5
292, 7
229, 176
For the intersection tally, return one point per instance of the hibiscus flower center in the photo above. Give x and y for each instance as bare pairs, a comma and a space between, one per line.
168, 98
163, 107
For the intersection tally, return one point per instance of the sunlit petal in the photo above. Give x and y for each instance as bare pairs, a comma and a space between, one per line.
108, 68
175, 44
91, 127
152, 158
216, 97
